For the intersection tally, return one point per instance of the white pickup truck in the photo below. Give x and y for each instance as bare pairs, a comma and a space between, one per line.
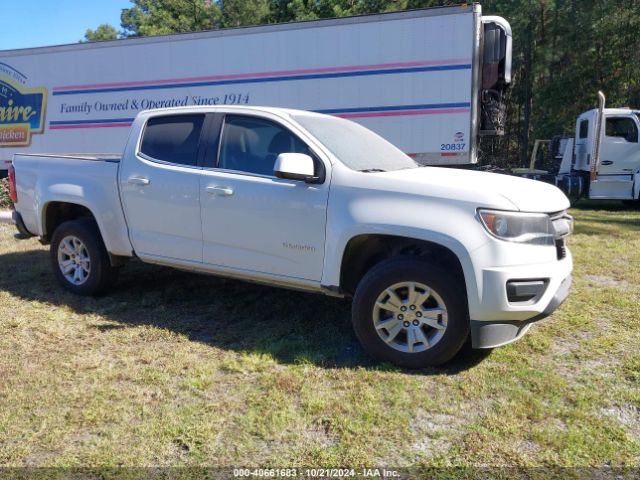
312, 202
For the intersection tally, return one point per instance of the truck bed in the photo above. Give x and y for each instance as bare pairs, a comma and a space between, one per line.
82, 179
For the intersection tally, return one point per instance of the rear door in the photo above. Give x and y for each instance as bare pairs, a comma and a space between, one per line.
253, 221
160, 189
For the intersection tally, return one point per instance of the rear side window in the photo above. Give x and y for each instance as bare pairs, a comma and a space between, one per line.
173, 138
584, 128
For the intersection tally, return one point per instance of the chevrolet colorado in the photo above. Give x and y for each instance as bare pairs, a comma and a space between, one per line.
307, 201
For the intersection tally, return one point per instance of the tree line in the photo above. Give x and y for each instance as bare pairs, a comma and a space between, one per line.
564, 51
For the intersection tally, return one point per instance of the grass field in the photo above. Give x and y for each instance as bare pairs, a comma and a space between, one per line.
179, 369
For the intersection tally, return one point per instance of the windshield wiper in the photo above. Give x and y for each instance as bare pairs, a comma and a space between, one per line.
371, 170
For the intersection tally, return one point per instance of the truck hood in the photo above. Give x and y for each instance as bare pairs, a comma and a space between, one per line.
487, 189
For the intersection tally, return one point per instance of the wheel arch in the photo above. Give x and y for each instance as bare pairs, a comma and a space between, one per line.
363, 251
56, 212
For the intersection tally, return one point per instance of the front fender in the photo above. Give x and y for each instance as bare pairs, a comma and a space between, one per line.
453, 228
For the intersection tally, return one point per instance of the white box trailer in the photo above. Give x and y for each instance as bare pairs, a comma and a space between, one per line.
430, 81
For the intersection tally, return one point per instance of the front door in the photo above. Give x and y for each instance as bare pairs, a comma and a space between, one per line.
620, 152
253, 221
160, 190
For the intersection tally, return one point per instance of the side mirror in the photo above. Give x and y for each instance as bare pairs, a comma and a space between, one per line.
295, 166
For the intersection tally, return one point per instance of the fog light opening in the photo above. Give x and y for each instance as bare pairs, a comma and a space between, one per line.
526, 292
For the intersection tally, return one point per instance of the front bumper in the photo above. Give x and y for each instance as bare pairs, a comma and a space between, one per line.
486, 334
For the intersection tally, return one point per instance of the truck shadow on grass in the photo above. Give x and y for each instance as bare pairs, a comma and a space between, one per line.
287, 325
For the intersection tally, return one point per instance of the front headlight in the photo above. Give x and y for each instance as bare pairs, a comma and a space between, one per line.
529, 228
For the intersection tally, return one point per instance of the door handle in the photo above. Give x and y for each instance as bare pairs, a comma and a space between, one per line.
607, 162
219, 190
139, 181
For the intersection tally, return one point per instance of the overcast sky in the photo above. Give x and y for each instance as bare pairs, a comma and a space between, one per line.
38, 23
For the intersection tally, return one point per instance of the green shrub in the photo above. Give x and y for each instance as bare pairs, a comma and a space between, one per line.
5, 201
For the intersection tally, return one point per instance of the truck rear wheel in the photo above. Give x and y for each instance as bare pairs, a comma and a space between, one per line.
410, 313
79, 258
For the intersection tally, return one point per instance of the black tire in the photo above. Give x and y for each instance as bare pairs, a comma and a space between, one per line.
101, 274
411, 269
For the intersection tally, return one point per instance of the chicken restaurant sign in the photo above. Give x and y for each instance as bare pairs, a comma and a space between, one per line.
22, 109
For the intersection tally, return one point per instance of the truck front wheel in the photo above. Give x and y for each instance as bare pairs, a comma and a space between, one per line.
410, 313
79, 258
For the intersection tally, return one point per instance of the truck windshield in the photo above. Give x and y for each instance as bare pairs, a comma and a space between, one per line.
354, 145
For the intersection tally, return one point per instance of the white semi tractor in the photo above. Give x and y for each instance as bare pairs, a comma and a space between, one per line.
431, 81
602, 160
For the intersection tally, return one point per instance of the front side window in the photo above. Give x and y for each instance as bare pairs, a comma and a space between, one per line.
173, 138
252, 144
622, 127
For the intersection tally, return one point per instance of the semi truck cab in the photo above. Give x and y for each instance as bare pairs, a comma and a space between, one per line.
601, 161
617, 172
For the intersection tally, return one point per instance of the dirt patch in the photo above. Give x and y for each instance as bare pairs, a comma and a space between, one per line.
571, 341
555, 424
628, 416
529, 447
428, 447
322, 435
435, 432
571, 351
38, 458
604, 281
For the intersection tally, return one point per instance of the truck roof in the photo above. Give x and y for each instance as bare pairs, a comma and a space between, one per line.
619, 110
612, 111
615, 110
